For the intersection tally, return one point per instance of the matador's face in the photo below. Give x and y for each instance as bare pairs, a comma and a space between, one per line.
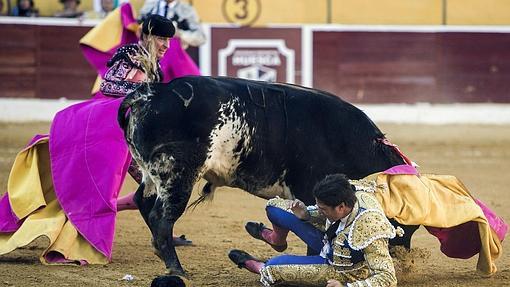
162, 44
333, 213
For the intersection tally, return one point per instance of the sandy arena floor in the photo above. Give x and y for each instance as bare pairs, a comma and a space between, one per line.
479, 155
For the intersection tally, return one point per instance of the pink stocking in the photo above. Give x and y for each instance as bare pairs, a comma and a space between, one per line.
277, 236
126, 202
254, 266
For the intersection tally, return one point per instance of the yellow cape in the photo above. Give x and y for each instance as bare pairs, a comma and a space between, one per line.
32, 198
439, 201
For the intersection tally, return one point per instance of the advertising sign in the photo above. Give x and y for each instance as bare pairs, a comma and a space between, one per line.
264, 54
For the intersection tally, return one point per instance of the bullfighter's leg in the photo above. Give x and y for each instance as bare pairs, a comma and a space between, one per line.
126, 202
284, 221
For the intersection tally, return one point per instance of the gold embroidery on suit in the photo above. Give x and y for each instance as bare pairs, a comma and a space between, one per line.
308, 274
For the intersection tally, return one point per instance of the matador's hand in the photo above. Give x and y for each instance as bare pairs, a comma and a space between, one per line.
299, 209
334, 283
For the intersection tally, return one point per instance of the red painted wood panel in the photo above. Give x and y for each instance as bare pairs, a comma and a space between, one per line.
38, 61
62, 70
18, 49
362, 67
43, 62
407, 67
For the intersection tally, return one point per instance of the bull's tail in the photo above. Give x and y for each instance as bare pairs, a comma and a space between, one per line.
207, 193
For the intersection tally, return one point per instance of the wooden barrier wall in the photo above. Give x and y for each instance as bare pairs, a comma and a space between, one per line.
43, 62
407, 67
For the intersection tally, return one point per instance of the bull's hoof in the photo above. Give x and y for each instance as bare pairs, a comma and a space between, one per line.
170, 281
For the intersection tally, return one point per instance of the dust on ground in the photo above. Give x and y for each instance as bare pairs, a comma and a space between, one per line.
478, 155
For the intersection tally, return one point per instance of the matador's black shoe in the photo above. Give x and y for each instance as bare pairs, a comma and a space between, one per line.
182, 241
239, 257
255, 230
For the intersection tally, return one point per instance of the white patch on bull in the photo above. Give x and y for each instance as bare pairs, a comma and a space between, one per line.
130, 130
133, 121
149, 189
223, 155
162, 164
137, 113
279, 188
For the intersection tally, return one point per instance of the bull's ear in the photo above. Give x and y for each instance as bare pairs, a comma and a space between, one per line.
185, 92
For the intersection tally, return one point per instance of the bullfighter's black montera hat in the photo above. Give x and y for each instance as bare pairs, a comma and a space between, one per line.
158, 26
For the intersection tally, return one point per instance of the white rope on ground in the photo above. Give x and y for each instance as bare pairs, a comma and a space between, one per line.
439, 114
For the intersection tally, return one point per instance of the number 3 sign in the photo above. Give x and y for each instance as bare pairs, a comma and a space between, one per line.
242, 12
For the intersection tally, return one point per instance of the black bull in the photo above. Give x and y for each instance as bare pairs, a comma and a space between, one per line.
268, 139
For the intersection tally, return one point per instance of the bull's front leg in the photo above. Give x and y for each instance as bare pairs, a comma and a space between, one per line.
172, 169
174, 183
165, 212
145, 199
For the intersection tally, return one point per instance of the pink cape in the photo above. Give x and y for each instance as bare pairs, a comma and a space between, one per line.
89, 161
